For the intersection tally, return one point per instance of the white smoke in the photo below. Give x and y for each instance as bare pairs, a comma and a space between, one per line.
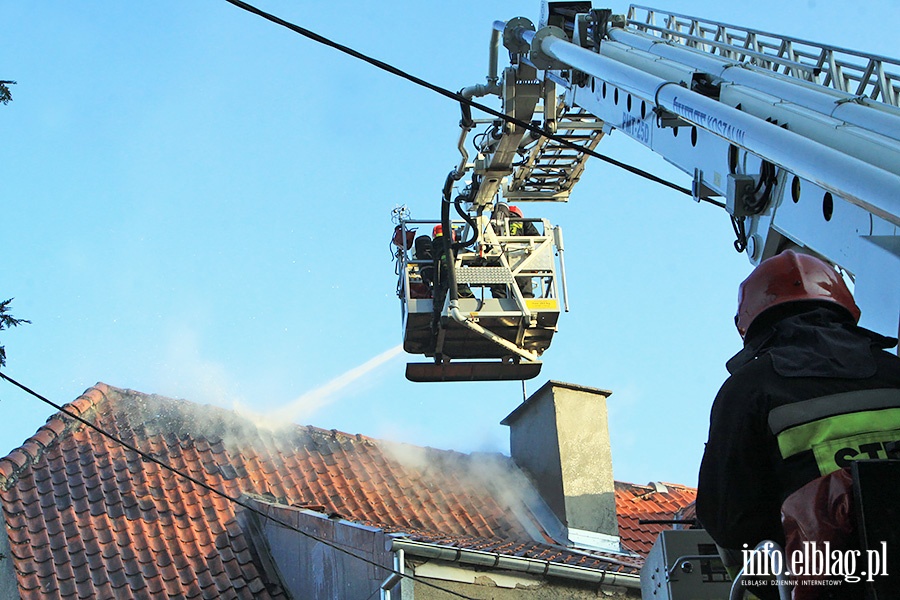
185, 369
302, 407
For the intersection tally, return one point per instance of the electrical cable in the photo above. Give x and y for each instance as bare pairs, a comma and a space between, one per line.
740, 232
150, 458
455, 95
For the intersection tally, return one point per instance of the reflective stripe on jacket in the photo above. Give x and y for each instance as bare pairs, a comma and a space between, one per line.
834, 430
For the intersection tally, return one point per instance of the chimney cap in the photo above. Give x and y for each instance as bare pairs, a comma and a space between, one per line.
514, 415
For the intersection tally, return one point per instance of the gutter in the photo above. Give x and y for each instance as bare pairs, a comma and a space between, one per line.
519, 564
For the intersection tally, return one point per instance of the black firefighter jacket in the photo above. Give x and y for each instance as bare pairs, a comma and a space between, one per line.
747, 471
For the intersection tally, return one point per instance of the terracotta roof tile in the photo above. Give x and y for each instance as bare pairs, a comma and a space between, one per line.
635, 503
89, 518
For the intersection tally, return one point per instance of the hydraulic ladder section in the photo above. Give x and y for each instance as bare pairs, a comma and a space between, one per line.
551, 169
864, 75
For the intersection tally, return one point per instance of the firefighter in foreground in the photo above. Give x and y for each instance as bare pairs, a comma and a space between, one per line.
802, 344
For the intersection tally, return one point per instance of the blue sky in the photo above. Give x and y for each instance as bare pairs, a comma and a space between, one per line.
197, 204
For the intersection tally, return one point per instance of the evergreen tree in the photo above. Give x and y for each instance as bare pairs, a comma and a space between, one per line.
5, 94
7, 321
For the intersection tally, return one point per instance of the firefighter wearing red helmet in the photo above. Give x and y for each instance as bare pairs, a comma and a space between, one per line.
809, 392
517, 226
790, 277
508, 215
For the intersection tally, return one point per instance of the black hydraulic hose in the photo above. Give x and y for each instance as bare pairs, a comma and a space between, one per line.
448, 184
472, 223
466, 121
446, 237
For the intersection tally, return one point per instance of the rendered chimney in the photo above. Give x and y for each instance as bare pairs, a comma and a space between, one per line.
560, 437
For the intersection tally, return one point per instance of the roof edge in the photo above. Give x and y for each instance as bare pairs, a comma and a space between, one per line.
516, 563
58, 425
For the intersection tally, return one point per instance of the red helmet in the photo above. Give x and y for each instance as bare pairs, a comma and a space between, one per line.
516, 211
790, 277
439, 230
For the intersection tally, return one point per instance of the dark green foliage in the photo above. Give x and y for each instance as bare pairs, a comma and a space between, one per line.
5, 94
7, 321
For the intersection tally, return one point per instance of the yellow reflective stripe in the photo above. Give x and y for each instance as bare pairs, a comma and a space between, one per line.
804, 437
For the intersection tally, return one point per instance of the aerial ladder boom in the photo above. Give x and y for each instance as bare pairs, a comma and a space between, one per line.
801, 140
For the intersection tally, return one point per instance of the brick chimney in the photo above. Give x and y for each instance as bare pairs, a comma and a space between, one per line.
560, 437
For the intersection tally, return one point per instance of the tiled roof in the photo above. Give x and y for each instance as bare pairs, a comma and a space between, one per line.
652, 502
89, 518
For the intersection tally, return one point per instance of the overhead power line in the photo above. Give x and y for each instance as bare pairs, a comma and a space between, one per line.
239, 502
458, 97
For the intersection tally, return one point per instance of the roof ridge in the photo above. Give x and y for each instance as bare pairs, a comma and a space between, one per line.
335, 433
649, 486
86, 405
57, 425
678, 485
382, 442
